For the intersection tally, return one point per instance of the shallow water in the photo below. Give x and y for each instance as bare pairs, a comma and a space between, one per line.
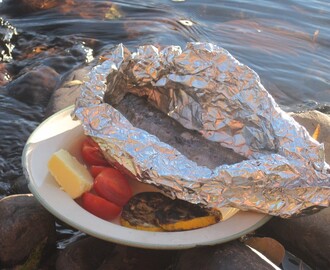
286, 42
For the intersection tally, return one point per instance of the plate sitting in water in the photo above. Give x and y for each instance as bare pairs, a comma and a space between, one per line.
60, 131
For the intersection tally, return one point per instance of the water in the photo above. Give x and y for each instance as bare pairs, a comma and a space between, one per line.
286, 42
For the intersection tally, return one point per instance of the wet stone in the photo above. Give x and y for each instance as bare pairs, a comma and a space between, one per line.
84, 254
34, 87
22, 7
62, 54
231, 255
19, 185
306, 237
130, 258
24, 226
67, 93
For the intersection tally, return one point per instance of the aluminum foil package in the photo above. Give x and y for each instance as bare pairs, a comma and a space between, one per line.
205, 90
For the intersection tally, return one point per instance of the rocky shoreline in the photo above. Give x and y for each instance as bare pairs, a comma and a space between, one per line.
28, 233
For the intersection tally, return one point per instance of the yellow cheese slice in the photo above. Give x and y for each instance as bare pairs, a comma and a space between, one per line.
70, 174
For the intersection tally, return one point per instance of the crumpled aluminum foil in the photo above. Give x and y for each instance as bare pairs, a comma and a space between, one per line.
206, 89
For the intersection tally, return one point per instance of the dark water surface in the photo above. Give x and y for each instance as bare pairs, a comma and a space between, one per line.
286, 42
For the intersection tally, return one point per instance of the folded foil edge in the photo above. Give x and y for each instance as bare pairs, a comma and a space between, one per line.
286, 174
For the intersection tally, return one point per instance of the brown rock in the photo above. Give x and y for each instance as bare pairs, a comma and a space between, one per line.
306, 237
130, 258
34, 87
231, 255
84, 254
269, 247
24, 224
68, 92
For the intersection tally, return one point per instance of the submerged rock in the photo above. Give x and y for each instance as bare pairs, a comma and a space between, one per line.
15, 8
67, 93
17, 121
34, 87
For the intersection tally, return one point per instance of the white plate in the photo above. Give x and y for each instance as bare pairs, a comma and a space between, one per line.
60, 131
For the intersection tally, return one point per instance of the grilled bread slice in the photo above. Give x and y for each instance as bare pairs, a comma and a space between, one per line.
153, 211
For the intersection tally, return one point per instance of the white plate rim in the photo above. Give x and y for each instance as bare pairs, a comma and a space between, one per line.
114, 233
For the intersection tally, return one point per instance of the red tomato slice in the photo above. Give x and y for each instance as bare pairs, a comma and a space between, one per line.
95, 169
92, 154
113, 186
100, 207
91, 142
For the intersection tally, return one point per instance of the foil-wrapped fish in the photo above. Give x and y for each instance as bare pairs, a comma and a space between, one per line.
190, 143
271, 164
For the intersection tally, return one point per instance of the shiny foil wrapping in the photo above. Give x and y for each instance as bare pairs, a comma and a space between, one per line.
204, 88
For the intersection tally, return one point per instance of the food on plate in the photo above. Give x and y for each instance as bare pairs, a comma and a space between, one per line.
70, 174
95, 169
112, 185
153, 211
140, 212
101, 190
91, 153
99, 206
190, 143
111, 189
105, 192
